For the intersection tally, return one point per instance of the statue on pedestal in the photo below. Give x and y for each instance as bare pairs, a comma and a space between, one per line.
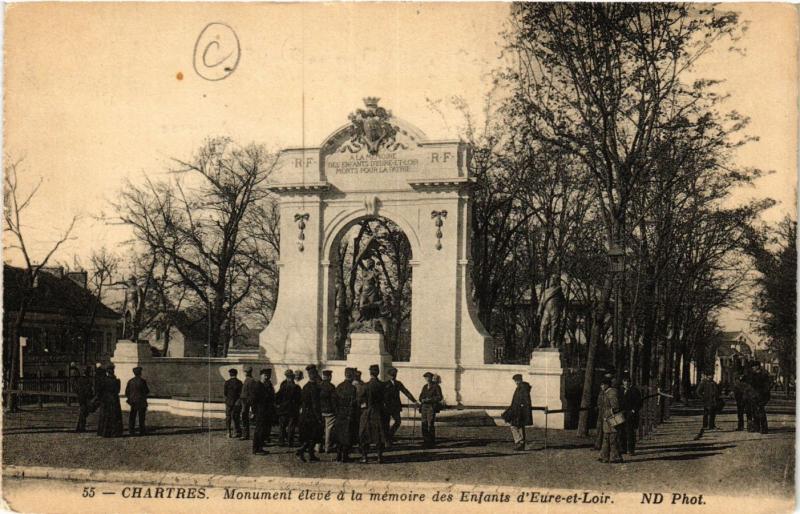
552, 313
372, 312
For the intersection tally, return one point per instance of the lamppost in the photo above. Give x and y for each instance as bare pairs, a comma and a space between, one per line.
616, 255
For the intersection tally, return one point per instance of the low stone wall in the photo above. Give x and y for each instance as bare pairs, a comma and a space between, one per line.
486, 387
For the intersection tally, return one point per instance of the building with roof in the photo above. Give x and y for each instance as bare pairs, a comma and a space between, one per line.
62, 315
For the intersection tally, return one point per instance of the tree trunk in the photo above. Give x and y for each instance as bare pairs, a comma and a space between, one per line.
594, 338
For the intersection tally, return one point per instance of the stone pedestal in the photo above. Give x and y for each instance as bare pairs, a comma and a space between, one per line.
367, 349
547, 382
127, 355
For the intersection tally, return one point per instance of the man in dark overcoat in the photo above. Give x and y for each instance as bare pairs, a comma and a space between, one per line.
708, 392
371, 430
518, 414
258, 403
762, 383
310, 423
631, 404
287, 404
85, 392
430, 399
347, 416
246, 401
136, 393
233, 408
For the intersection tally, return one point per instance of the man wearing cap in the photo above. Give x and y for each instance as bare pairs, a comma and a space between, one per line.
258, 402
287, 403
370, 430
430, 399
271, 417
136, 392
347, 416
327, 403
393, 407
83, 389
609, 451
233, 409
310, 421
518, 414
246, 401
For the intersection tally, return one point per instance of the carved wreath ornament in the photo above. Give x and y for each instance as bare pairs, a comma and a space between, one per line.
371, 128
438, 216
301, 219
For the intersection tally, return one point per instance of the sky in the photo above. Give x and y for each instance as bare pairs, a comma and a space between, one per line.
97, 93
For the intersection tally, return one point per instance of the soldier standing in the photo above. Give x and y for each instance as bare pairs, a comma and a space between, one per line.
430, 399
370, 430
233, 407
347, 416
287, 403
631, 403
246, 401
609, 451
258, 402
83, 389
393, 407
327, 401
311, 423
518, 414
136, 393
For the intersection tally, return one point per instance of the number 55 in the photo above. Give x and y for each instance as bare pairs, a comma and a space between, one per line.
88, 492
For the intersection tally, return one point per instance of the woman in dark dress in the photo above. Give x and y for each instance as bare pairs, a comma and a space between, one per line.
110, 420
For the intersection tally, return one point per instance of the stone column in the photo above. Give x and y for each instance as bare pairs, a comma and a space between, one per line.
367, 349
547, 384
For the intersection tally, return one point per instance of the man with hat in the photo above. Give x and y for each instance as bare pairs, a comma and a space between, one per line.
370, 430
762, 384
259, 402
136, 392
518, 414
84, 391
599, 440
347, 416
327, 403
393, 407
310, 421
287, 404
708, 392
246, 401
233, 409
609, 398
430, 400
631, 404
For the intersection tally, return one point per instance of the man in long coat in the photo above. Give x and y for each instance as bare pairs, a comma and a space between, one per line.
287, 404
430, 399
85, 392
518, 414
630, 403
136, 393
609, 451
270, 414
708, 392
347, 416
258, 403
311, 425
109, 422
246, 401
762, 383
371, 430
233, 408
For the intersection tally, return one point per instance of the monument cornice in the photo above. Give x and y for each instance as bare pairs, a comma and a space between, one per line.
300, 187
440, 183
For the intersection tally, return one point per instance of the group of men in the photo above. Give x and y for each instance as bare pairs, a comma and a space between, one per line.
751, 390
101, 393
352, 414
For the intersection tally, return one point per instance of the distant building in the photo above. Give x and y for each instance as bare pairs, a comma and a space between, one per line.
733, 353
56, 321
187, 337
769, 360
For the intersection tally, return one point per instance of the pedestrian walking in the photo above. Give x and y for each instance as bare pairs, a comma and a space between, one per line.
287, 404
518, 414
327, 402
430, 399
347, 416
631, 404
371, 429
311, 425
233, 406
85, 392
609, 398
246, 401
708, 392
393, 407
136, 393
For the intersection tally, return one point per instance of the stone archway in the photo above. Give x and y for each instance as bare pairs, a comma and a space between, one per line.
383, 241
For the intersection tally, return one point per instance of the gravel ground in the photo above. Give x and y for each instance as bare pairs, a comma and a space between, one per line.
721, 462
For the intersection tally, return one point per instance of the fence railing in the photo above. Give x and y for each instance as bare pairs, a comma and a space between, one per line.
42, 390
